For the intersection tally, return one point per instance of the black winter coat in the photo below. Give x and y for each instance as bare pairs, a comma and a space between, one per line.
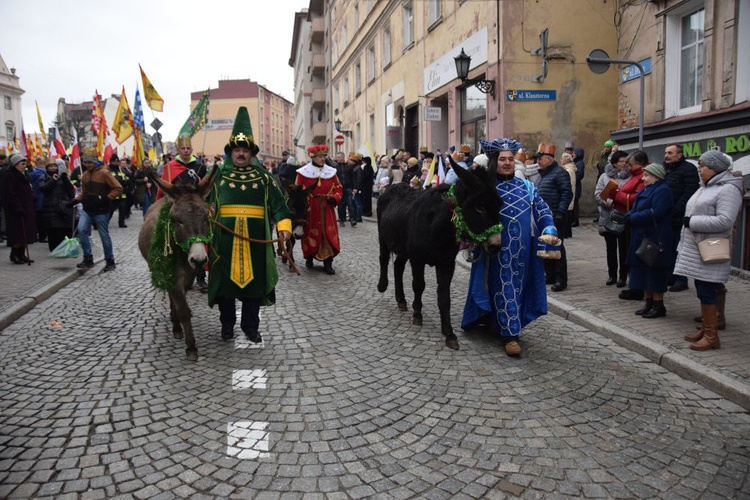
18, 202
57, 192
555, 189
683, 180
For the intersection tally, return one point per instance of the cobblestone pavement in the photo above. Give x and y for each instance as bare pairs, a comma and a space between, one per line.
344, 399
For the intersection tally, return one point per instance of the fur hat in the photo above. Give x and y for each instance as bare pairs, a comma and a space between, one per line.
16, 159
482, 160
715, 160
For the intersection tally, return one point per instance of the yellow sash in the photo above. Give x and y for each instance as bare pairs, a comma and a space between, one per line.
241, 264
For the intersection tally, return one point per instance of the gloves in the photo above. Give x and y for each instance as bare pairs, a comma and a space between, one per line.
332, 201
559, 219
686, 222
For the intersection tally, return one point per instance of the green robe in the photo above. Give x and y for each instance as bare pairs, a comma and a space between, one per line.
244, 200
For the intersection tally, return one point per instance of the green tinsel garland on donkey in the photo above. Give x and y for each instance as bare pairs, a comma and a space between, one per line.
162, 260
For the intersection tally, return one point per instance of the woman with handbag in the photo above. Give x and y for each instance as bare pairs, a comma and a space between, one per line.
651, 233
58, 191
615, 175
703, 252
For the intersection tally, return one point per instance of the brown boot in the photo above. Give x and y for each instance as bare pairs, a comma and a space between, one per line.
710, 338
695, 337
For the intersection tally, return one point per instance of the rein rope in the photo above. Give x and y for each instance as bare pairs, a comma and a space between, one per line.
459, 221
253, 240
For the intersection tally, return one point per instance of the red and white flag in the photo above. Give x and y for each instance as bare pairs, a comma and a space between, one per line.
75, 152
108, 149
58, 145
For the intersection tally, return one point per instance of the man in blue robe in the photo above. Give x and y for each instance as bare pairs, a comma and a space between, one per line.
507, 289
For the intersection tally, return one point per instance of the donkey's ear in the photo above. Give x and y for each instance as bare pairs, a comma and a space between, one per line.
204, 186
463, 174
166, 187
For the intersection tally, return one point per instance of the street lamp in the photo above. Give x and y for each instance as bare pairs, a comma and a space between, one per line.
463, 62
337, 124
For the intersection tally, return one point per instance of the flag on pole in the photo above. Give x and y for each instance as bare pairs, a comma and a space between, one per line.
97, 113
41, 124
440, 170
197, 117
138, 112
436, 173
108, 149
366, 150
75, 152
152, 97
138, 154
57, 144
22, 146
123, 122
152, 155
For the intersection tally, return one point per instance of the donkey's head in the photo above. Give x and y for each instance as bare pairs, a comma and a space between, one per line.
191, 227
479, 206
297, 203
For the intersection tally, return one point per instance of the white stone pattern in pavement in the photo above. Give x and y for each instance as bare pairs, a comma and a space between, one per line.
247, 440
249, 379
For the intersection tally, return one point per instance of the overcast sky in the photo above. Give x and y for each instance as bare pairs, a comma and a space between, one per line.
70, 49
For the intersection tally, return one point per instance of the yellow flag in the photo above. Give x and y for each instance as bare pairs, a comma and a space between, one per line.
138, 155
123, 123
41, 124
152, 97
152, 156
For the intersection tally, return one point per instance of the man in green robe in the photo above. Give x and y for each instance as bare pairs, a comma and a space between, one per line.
244, 199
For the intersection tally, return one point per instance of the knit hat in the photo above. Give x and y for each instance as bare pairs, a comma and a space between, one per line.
412, 161
609, 144
482, 160
715, 160
16, 159
656, 170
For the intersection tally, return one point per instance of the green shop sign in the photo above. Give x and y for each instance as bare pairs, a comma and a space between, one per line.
729, 145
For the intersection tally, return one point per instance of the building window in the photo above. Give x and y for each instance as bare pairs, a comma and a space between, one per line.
473, 117
346, 91
8, 102
343, 38
685, 57
434, 12
408, 24
10, 130
336, 98
356, 15
386, 46
370, 63
358, 79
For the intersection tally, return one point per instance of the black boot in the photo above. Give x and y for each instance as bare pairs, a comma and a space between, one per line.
328, 266
88, 261
14, 257
657, 311
227, 331
646, 308
111, 266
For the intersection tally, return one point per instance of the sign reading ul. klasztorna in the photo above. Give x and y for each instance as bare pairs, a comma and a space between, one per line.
729, 145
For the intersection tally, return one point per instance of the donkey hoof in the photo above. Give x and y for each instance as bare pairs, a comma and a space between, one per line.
401, 306
177, 334
382, 286
192, 355
416, 320
452, 344
283, 260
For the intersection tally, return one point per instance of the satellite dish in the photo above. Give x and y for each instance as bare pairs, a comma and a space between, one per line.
598, 61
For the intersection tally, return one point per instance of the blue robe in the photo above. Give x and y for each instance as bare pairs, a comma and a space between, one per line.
515, 292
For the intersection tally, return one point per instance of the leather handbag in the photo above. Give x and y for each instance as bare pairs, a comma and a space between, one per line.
649, 252
614, 222
714, 250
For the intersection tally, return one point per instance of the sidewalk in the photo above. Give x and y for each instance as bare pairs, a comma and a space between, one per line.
586, 302
25, 286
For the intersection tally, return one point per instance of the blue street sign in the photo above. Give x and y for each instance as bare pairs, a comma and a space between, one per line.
531, 95
632, 72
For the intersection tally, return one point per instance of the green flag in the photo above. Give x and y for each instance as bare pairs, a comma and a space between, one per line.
197, 117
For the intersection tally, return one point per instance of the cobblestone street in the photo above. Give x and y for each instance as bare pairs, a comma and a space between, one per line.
343, 399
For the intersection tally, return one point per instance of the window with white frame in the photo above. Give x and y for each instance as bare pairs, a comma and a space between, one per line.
434, 12
8, 102
358, 78
685, 59
370, 63
10, 130
408, 24
742, 92
386, 46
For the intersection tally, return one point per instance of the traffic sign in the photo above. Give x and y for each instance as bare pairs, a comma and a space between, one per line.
339, 139
598, 61
156, 124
